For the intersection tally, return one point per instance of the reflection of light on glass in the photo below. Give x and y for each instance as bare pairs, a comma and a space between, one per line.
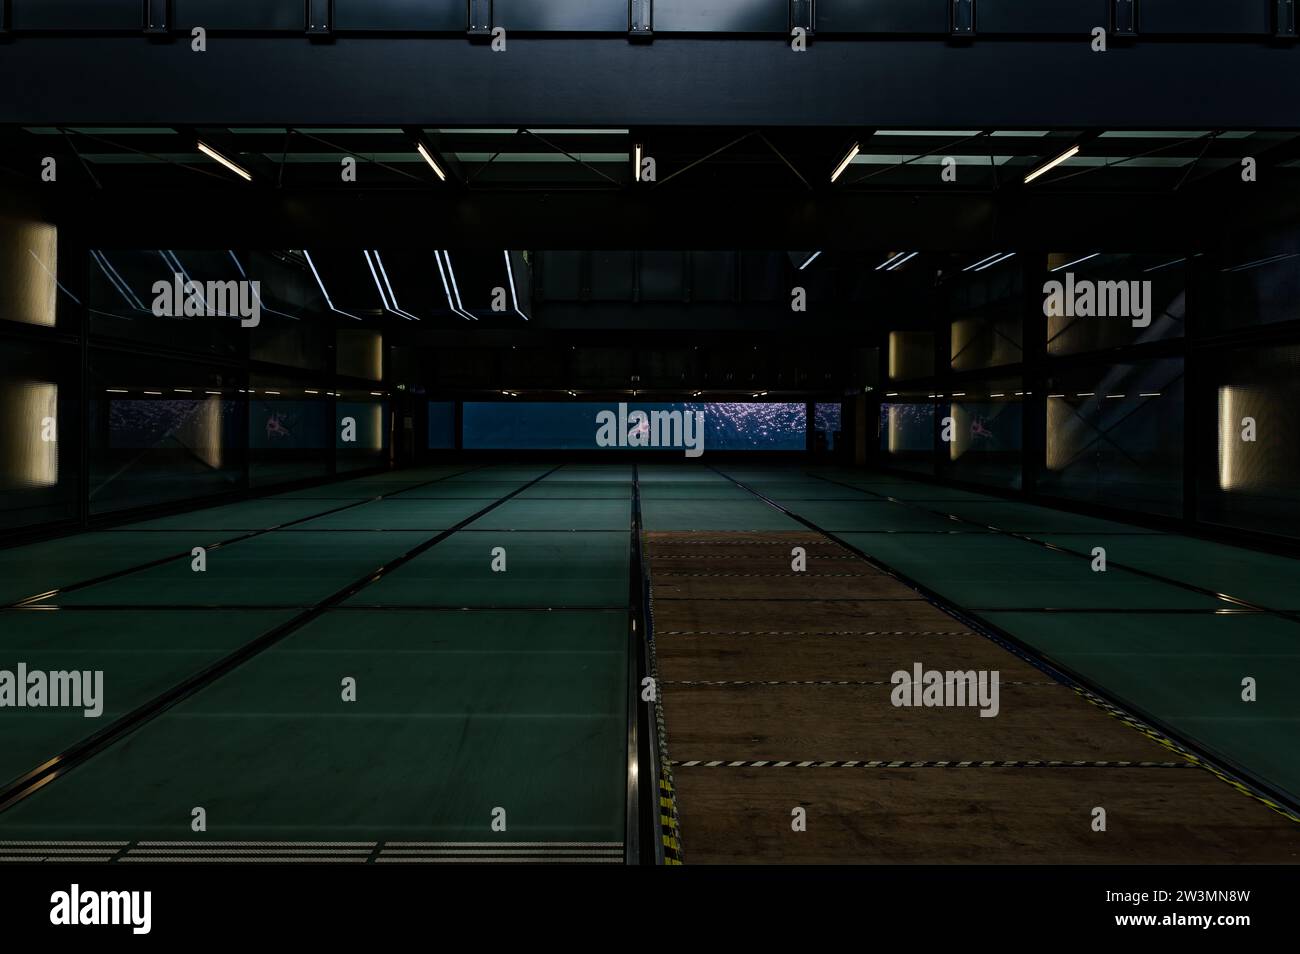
895, 429
960, 442
208, 426
29, 447
376, 415
1228, 439
1059, 413
963, 333
895, 359
28, 266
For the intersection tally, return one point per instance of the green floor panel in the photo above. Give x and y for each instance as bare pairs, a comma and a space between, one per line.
486, 491
927, 493
578, 490
520, 514
542, 569
989, 571
141, 656
499, 474
451, 721
247, 515
1187, 672
592, 474
427, 777
443, 666
278, 569
398, 514
782, 491
454, 631
695, 490
868, 515
697, 514
1263, 578
1027, 518
39, 567
674, 473
352, 489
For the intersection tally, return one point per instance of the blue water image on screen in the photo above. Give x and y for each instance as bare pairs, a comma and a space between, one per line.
826, 418
134, 423
501, 425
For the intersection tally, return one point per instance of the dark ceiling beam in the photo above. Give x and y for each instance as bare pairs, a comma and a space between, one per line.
1267, 158
601, 81
935, 220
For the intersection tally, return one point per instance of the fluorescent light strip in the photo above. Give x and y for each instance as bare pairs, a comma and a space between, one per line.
887, 261
451, 273
174, 263
514, 298
975, 265
844, 163
236, 169
424, 154
903, 261
811, 258
59, 284
118, 281
323, 291
383, 297
636, 169
1077, 261
256, 294
391, 294
1068, 154
996, 261
1157, 268
1259, 262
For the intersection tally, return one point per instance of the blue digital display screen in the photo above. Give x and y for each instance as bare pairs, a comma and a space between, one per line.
588, 425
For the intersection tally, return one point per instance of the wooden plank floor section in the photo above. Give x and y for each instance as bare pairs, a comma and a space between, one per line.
760, 663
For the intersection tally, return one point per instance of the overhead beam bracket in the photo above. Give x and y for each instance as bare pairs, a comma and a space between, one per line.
640, 20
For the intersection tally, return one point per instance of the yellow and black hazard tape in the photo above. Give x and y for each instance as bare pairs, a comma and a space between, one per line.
669, 821
829, 632
771, 576
1163, 740
733, 556
909, 764
659, 542
719, 683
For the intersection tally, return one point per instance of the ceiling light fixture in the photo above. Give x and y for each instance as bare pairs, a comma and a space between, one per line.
323, 291
427, 157
1049, 166
233, 167
844, 163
